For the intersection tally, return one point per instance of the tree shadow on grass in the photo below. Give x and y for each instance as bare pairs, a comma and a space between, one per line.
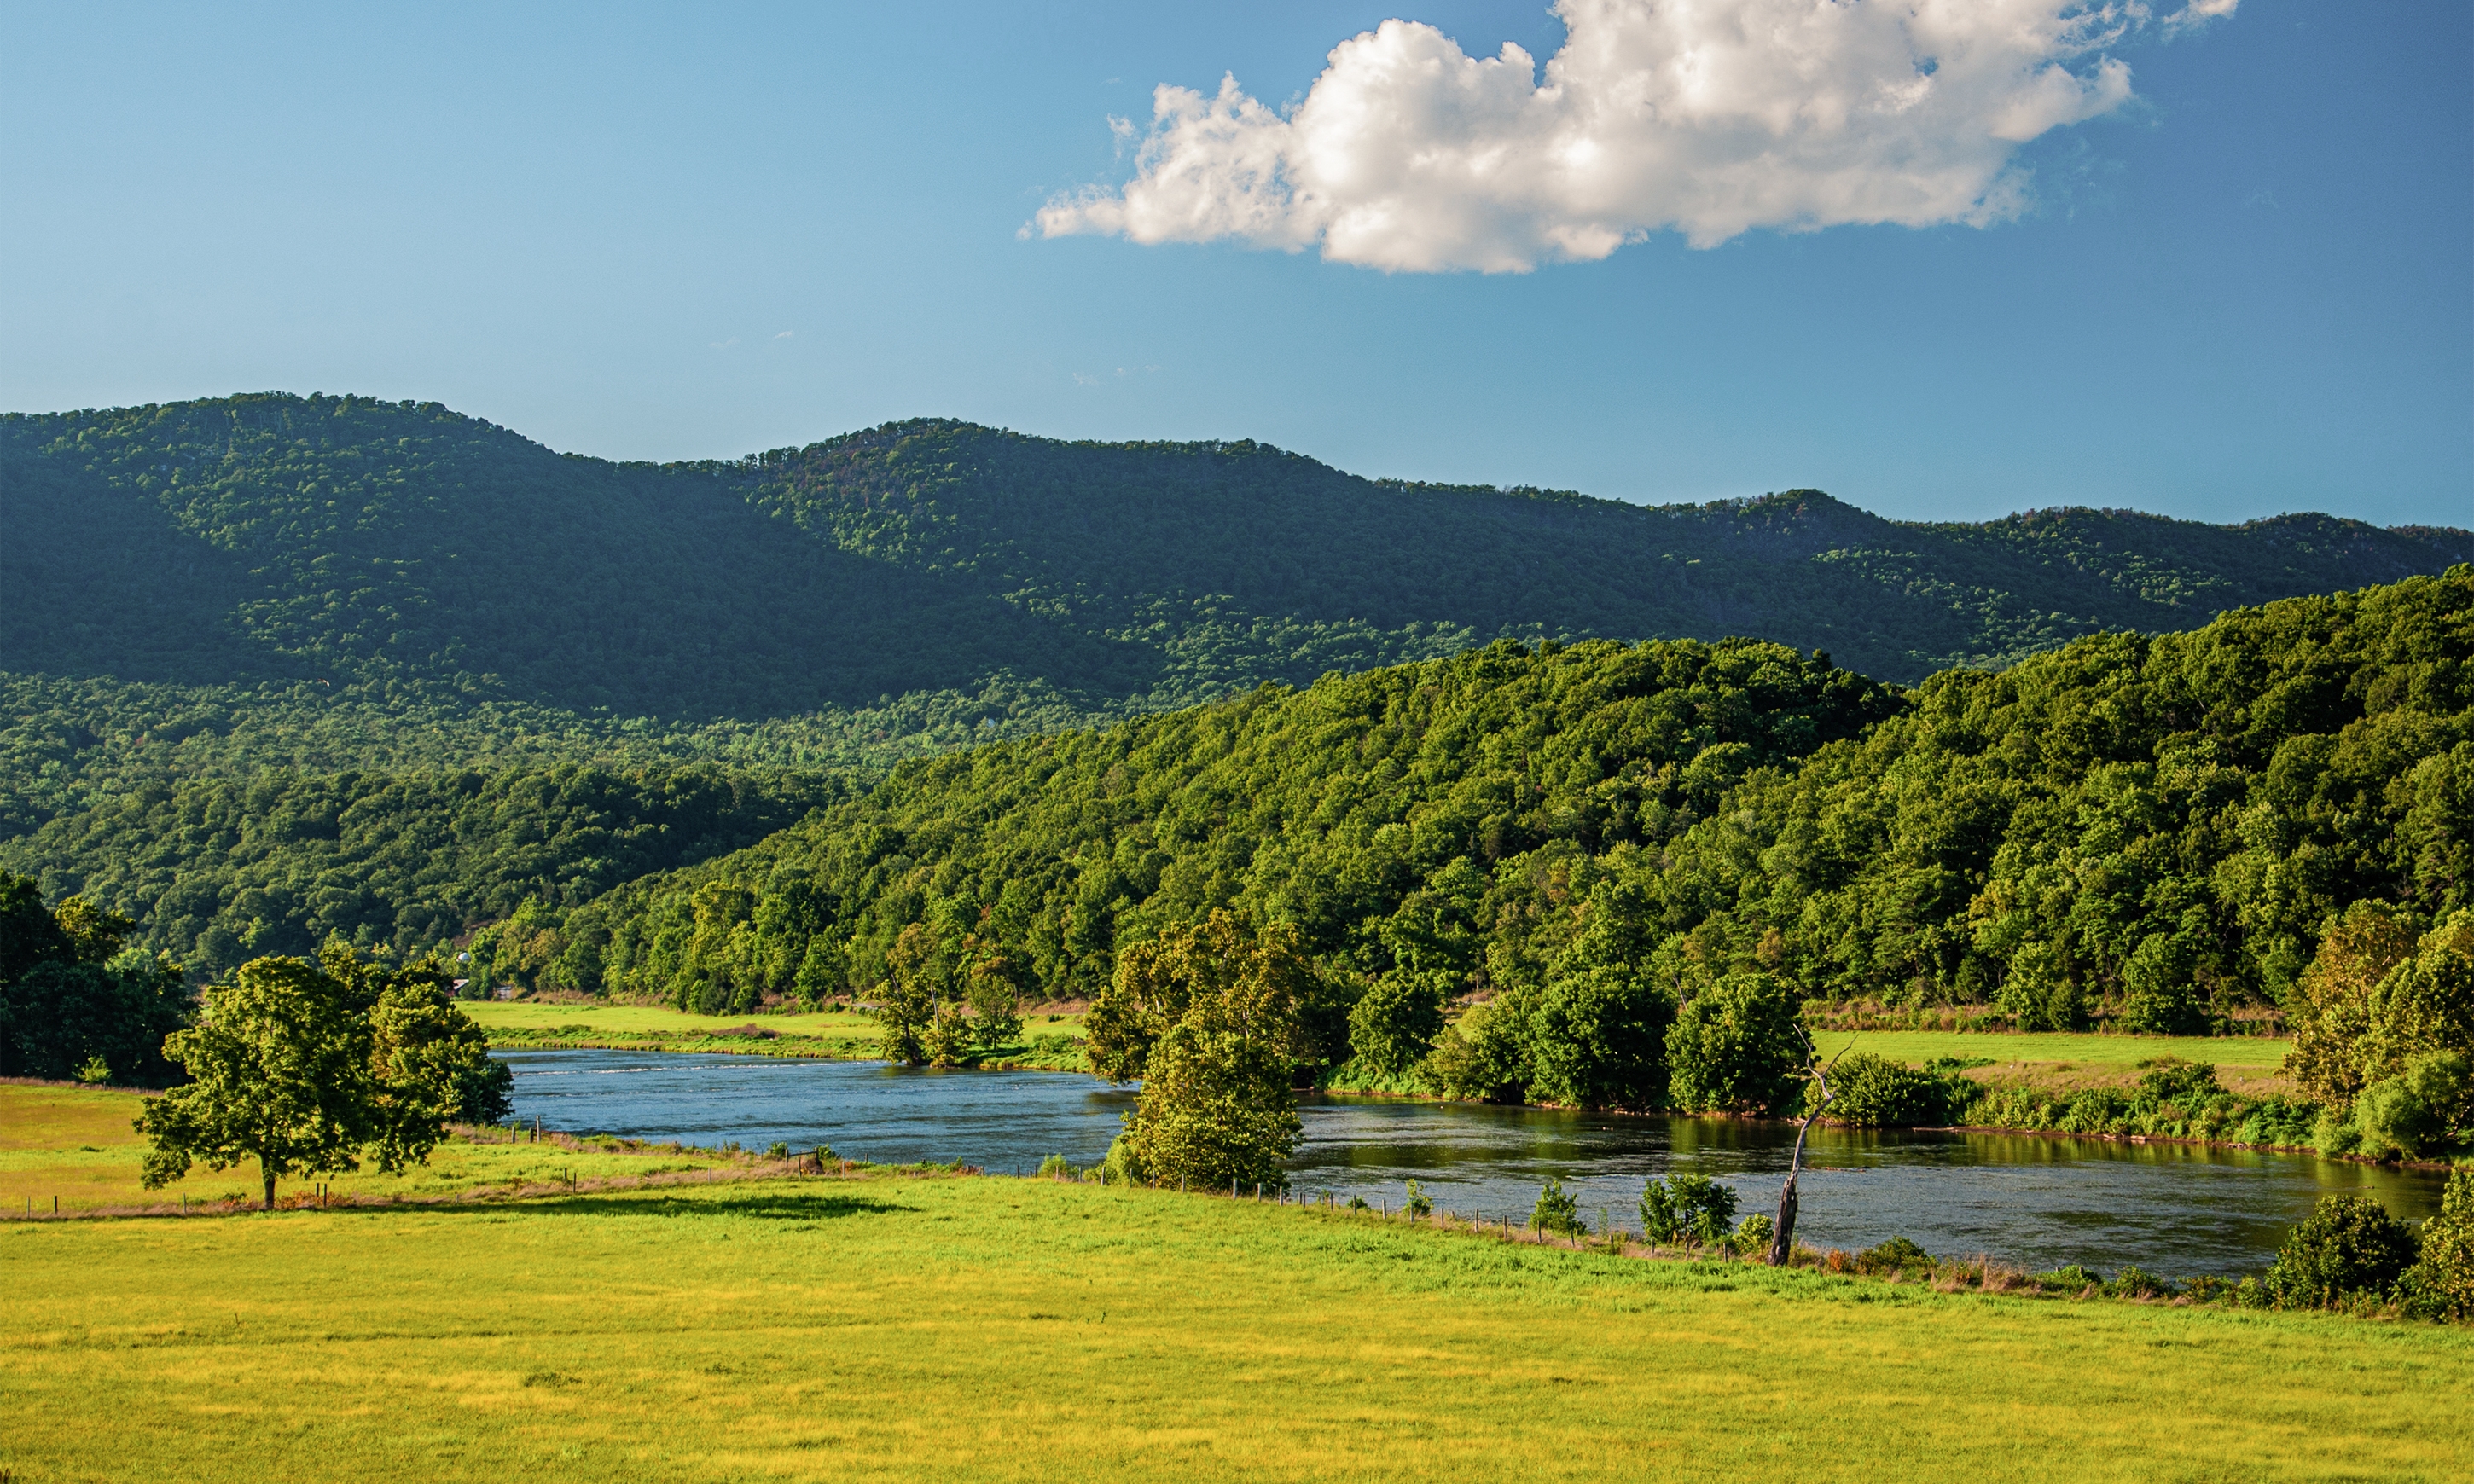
755, 1205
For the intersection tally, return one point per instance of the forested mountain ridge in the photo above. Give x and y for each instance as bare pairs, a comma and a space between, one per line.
2160, 830
916, 583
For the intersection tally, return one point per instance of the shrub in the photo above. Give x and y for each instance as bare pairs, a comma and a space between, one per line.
2184, 1084
1875, 1092
2074, 1278
1417, 1205
1686, 1208
1733, 1047
1898, 1255
1753, 1238
2440, 1284
777, 1150
2336, 1135
2133, 1283
2412, 1113
1557, 1211
2348, 1247
1054, 1167
1479, 1057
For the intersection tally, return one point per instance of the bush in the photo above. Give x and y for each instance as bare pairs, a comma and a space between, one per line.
2074, 1278
1898, 1255
1875, 1092
2184, 1084
2412, 1114
1753, 1238
1686, 1208
2440, 1284
2349, 1247
1417, 1205
2336, 1135
1479, 1057
2133, 1283
1735, 1047
1557, 1211
1054, 1167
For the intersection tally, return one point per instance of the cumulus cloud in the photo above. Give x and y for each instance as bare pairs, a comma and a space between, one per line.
1707, 118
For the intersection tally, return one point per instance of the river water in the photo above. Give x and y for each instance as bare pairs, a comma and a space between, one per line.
2024, 1199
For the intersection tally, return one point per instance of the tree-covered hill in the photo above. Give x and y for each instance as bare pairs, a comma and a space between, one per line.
313, 569
216, 871
2159, 828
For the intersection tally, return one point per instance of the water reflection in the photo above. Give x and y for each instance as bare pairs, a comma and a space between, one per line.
2041, 1202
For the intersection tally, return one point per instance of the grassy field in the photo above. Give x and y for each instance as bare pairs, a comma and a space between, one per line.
75, 1145
2246, 1053
999, 1329
833, 1034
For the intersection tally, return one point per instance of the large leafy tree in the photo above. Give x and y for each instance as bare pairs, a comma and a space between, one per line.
1208, 1017
307, 1068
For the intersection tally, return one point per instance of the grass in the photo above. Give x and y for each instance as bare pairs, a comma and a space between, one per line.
839, 1035
995, 1329
2121, 1053
74, 1144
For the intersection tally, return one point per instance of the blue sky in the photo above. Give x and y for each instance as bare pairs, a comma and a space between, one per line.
669, 233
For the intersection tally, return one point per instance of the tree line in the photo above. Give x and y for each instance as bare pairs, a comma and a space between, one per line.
1588, 841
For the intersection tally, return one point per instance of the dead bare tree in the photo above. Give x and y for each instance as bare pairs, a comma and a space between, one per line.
1782, 1236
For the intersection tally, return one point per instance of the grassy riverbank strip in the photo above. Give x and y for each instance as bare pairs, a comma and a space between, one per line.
1050, 1043
881, 1329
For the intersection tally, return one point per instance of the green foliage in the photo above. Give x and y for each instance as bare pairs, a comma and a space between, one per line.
2440, 1284
2416, 1112
73, 1001
1557, 1212
1872, 1092
1417, 1203
1752, 1239
218, 871
1733, 1047
306, 1067
1207, 1017
2380, 1008
904, 587
1683, 1209
2348, 1248
1393, 1025
2171, 820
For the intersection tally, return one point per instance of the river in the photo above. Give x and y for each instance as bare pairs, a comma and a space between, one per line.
2038, 1201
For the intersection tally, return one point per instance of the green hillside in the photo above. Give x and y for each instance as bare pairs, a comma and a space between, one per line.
2154, 828
337, 583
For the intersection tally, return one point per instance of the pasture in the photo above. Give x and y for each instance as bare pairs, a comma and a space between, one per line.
1004, 1329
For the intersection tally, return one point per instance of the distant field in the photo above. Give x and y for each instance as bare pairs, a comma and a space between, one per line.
655, 1019
660, 1020
991, 1328
76, 1145
2249, 1052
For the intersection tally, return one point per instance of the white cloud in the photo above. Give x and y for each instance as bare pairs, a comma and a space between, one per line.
1707, 118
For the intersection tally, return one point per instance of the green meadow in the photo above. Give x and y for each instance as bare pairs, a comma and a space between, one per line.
75, 1145
2255, 1054
1004, 1329
1049, 1042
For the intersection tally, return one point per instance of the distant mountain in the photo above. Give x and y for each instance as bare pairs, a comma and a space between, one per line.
332, 581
